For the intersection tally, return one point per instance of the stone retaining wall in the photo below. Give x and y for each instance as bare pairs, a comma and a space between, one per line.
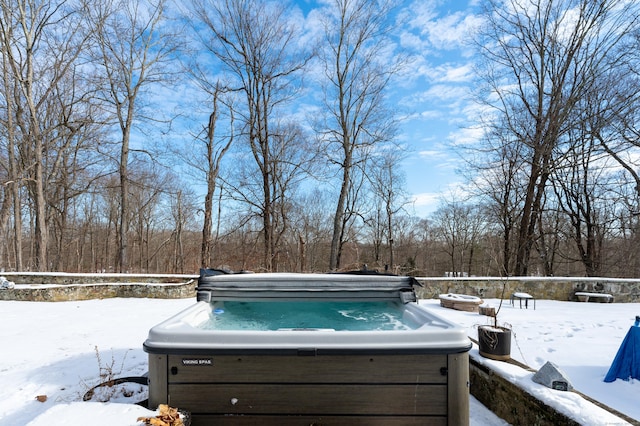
67, 286
57, 287
63, 278
515, 404
560, 288
510, 402
99, 291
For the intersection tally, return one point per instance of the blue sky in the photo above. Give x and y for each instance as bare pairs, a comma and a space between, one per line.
437, 97
432, 94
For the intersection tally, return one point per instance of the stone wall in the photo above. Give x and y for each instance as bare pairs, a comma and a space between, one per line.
57, 287
68, 286
63, 278
515, 404
510, 402
560, 288
99, 291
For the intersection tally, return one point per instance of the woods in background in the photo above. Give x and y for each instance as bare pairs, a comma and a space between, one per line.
159, 136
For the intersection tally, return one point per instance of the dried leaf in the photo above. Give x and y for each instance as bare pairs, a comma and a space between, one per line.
167, 416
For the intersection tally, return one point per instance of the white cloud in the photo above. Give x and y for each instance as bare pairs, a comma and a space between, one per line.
425, 202
429, 114
412, 42
447, 73
453, 31
427, 28
446, 92
454, 73
311, 28
420, 13
439, 97
430, 153
465, 136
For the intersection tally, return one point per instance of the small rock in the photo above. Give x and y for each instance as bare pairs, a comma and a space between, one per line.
552, 377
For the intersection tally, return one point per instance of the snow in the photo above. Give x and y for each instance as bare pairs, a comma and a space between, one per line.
582, 339
59, 350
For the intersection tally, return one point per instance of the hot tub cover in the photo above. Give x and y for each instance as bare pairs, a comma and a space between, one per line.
218, 285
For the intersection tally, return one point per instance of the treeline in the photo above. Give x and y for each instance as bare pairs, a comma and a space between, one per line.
151, 136
459, 240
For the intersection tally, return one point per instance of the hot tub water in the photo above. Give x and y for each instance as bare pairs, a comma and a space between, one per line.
308, 315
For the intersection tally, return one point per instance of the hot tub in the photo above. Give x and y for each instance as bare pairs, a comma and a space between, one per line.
291, 349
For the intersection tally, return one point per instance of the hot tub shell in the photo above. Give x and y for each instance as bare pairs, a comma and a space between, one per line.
310, 376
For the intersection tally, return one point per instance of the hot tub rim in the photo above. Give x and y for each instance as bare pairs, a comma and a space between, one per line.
305, 351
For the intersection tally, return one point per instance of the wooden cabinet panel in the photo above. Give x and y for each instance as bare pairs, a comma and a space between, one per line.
320, 420
310, 399
427, 389
308, 369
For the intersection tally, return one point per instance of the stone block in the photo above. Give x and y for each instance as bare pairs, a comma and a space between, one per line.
551, 376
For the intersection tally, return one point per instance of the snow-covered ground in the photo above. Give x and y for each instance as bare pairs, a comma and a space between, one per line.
580, 338
58, 350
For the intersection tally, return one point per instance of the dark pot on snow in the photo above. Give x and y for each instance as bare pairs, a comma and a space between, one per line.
494, 342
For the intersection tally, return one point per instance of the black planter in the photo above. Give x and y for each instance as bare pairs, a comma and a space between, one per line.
494, 342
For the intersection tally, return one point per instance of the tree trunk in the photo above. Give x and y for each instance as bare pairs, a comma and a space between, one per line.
14, 181
5, 214
338, 220
41, 233
124, 203
207, 230
211, 173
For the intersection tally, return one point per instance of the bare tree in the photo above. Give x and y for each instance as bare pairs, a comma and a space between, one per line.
312, 223
624, 249
73, 164
147, 190
499, 170
216, 144
459, 225
5, 214
40, 61
357, 70
354, 209
542, 58
214, 157
11, 192
616, 127
183, 208
581, 191
256, 43
132, 49
387, 187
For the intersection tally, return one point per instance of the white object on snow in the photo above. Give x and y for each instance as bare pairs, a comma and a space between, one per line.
6, 284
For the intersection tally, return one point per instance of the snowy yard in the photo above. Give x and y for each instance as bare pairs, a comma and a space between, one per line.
50, 349
581, 338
